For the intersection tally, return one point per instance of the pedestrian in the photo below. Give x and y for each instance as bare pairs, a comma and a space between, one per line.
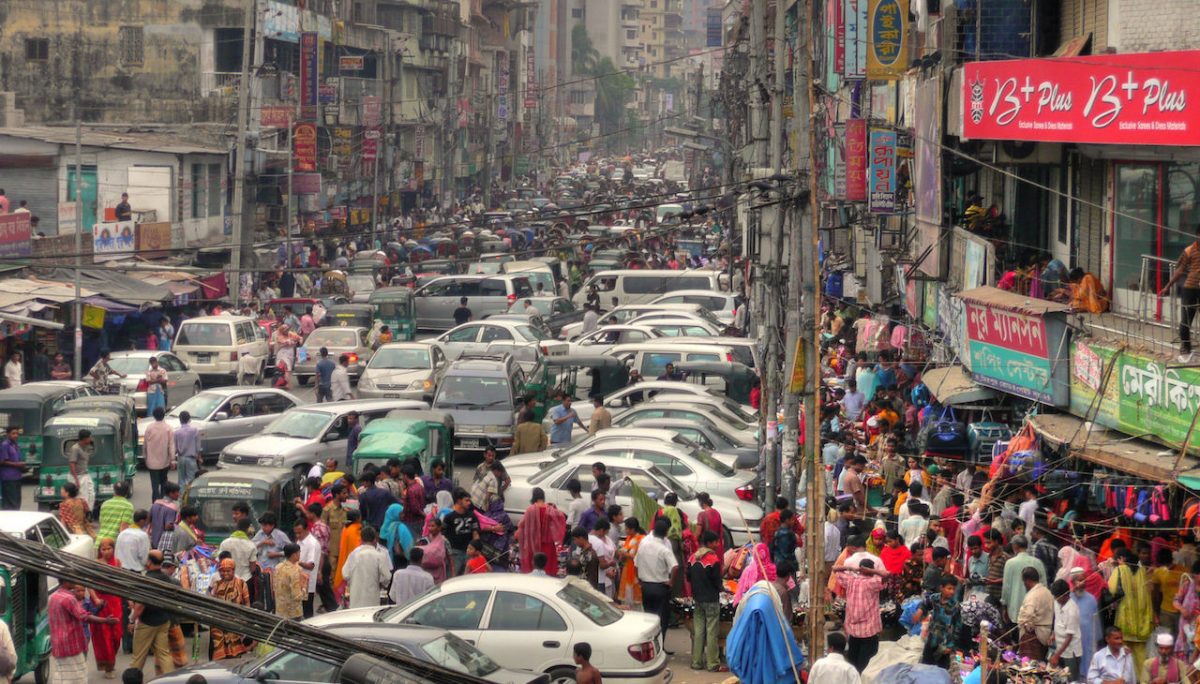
1067, 633
704, 573
373, 500
587, 673
1164, 667
106, 638
436, 481
12, 469
435, 554
115, 514
351, 537
601, 418
656, 570
310, 564
413, 498
833, 668
187, 449
367, 571
862, 623
412, 580
1187, 269
123, 211
289, 584
354, 429
564, 418
241, 549
528, 437
541, 528
40, 365
68, 641
158, 445
1135, 611
133, 543
151, 623
166, 333
598, 510
164, 513
462, 527
14, 370
339, 381
78, 457
325, 370
1115, 662
156, 387
462, 314
1035, 620
1013, 589
269, 541
285, 342
60, 369
228, 587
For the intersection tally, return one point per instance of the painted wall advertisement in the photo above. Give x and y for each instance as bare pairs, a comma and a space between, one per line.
304, 147
309, 75
929, 313
16, 235
1016, 352
1143, 397
882, 178
887, 32
112, 241
1119, 99
856, 160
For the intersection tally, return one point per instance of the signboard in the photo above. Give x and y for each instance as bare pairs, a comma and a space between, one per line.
1118, 99
370, 146
154, 240
927, 182
853, 37
881, 182
304, 147
419, 143
306, 183
837, 161
530, 80
327, 93
309, 75
1016, 352
887, 32
951, 323
856, 160
16, 235
839, 52
275, 116
913, 290
799, 367
1144, 395
929, 314
350, 63
68, 217
370, 110
92, 317
113, 240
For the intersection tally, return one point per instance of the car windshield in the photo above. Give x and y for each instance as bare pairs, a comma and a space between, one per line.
531, 333
456, 654
485, 267
729, 416
703, 455
298, 424
465, 391
599, 612
332, 337
130, 365
361, 283
201, 405
205, 334
400, 359
738, 410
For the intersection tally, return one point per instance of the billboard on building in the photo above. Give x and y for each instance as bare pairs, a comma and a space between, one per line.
16, 235
112, 241
887, 35
881, 182
1015, 345
153, 240
927, 183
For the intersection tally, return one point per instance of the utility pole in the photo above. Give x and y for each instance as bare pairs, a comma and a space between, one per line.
78, 239
758, 69
239, 153
487, 153
380, 147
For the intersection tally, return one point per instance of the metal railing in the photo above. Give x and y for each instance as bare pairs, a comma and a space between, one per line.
1152, 309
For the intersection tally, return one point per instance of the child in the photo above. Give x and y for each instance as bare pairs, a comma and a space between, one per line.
539, 565
476, 562
587, 673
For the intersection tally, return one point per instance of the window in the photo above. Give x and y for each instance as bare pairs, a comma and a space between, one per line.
1149, 196
131, 45
170, 363
654, 364
204, 334
271, 403
466, 334
455, 611
639, 477
294, 667
494, 333
577, 13
37, 49
52, 534
492, 288
594, 609
643, 284
519, 612
696, 436
631, 34
197, 190
214, 190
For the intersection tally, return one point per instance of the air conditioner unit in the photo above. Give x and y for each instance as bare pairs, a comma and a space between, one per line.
1024, 152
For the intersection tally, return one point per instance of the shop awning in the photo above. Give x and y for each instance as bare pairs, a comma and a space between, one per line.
27, 320
953, 386
1117, 451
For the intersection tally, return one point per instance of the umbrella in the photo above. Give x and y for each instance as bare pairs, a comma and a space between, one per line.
761, 648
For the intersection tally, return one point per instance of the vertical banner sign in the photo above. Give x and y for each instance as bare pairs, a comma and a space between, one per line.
309, 76
530, 80
502, 94
370, 110
370, 147
882, 180
856, 160
419, 143
887, 35
852, 37
839, 53
304, 147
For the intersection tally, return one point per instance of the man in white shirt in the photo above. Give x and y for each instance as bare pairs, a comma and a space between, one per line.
1114, 663
591, 320
340, 384
366, 571
310, 561
14, 371
833, 668
412, 581
1027, 511
133, 543
605, 553
656, 568
1068, 648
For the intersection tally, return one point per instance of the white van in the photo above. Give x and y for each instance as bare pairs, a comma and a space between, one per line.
212, 345
650, 358
536, 271
639, 286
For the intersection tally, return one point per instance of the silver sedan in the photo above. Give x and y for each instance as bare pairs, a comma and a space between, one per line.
402, 370
349, 341
182, 382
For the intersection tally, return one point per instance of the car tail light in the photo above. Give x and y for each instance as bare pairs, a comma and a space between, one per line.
729, 356
511, 298
352, 358
745, 493
643, 652
233, 356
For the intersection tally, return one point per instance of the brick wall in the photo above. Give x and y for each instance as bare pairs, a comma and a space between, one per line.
1143, 26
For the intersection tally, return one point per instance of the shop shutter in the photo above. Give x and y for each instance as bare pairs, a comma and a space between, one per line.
1091, 181
39, 187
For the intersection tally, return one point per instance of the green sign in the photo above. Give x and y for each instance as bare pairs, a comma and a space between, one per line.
1143, 397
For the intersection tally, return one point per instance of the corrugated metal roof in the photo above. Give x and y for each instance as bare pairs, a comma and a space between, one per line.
141, 141
1002, 299
1112, 449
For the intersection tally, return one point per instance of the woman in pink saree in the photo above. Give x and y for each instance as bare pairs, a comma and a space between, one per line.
434, 560
541, 527
757, 568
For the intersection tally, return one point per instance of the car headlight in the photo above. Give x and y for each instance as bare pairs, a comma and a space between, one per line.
365, 382
421, 385
277, 462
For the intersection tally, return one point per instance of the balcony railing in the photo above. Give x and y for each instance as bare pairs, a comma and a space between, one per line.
225, 82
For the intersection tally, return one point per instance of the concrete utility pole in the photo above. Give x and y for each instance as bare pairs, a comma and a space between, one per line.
756, 72
487, 153
239, 156
78, 239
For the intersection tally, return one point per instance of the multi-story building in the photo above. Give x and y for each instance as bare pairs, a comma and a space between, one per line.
662, 35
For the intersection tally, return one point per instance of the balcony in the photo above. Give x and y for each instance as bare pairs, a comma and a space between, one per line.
222, 83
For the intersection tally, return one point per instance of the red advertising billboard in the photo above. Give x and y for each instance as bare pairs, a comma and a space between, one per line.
16, 235
1131, 99
309, 75
304, 147
856, 160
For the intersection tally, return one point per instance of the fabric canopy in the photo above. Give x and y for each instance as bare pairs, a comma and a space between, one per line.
761, 647
118, 286
951, 386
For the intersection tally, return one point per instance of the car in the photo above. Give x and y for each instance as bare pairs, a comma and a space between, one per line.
429, 644
349, 341
480, 392
745, 434
626, 397
728, 409
608, 335
223, 415
710, 436
517, 315
476, 336
308, 434
720, 304
46, 528
690, 463
744, 350
521, 621
182, 382
674, 324
627, 312
741, 518
402, 370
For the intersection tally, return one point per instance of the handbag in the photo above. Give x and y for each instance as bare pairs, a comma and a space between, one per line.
948, 436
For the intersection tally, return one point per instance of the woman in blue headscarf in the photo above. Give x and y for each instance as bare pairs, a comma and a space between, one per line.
394, 535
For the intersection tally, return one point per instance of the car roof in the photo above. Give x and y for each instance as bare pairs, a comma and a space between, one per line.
681, 306
339, 407
664, 384
386, 632
581, 459
36, 390
698, 345
341, 327
636, 433
19, 521
415, 344
217, 319
90, 415
667, 403
500, 365
242, 389
140, 353
696, 293
505, 580
663, 272
252, 473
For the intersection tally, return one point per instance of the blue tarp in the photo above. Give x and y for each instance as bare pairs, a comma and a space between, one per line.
760, 648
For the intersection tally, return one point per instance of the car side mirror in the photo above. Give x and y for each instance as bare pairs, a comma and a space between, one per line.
330, 437
219, 416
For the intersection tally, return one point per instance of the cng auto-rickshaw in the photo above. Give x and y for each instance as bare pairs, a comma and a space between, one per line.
560, 374
23, 600
348, 316
382, 439
110, 464
28, 407
263, 489
121, 405
394, 308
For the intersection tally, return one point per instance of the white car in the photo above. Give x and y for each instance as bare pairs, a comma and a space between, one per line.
609, 335
627, 312
182, 383
475, 336
746, 434
720, 304
531, 623
618, 401
47, 529
678, 325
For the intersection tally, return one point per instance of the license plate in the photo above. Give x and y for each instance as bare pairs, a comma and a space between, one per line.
392, 395
203, 357
470, 444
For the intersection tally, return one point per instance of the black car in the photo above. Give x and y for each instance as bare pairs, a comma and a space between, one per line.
432, 645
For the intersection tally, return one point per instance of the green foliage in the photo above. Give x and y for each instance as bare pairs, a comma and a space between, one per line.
583, 53
614, 92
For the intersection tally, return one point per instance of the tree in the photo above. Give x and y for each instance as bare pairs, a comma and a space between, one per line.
614, 89
583, 54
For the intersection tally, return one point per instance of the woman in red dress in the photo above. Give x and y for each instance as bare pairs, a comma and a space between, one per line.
540, 529
106, 639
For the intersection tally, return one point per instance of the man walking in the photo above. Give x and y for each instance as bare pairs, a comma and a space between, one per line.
310, 563
158, 445
339, 381
366, 571
564, 418
862, 623
68, 643
1188, 270
133, 543
151, 624
115, 514
462, 314
601, 418
704, 572
656, 568
325, 369
411, 581
187, 449
12, 469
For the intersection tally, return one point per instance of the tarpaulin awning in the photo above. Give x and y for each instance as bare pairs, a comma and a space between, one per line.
1003, 299
118, 286
953, 386
109, 305
1115, 450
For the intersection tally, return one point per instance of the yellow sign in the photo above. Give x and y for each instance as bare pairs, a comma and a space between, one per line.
93, 316
799, 366
887, 39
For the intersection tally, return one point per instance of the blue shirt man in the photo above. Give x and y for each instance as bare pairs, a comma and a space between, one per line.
11, 469
325, 368
564, 418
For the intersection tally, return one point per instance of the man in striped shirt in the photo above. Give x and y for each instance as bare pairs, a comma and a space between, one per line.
1188, 270
115, 514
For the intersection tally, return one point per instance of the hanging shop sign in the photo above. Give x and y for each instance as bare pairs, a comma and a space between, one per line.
350, 63
370, 145
531, 80
887, 31
1143, 397
113, 240
371, 110
1118, 99
856, 160
838, 13
309, 75
855, 18
154, 240
304, 147
1015, 344
952, 325
327, 93
881, 181
275, 116
16, 235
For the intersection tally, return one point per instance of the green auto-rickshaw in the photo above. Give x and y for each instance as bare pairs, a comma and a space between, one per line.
263, 489
394, 308
123, 406
393, 437
561, 374
23, 599
29, 407
110, 464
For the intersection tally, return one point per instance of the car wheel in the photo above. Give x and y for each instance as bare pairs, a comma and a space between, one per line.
41, 674
559, 675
